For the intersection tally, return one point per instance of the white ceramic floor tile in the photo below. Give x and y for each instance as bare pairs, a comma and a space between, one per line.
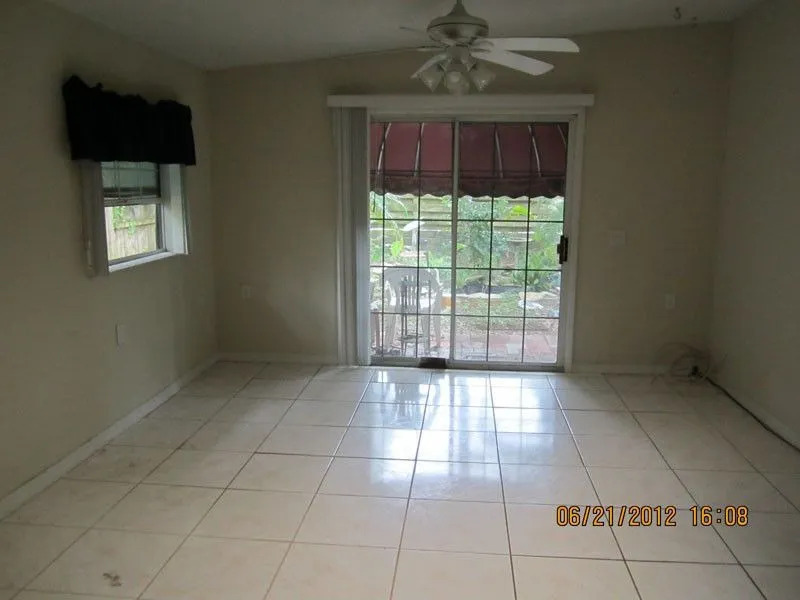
561, 381
537, 449
160, 509
209, 569
401, 375
345, 373
212, 387
519, 380
287, 371
478, 527
429, 575
529, 420
461, 396
189, 407
505, 397
120, 463
258, 410
535, 484
684, 542
585, 399
765, 451
160, 433
788, 484
650, 487
777, 583
311, 572
50, 596
240, 370
353, 521
458, 446
656, 402
109, 563
768, 539
455, 378
722, 488
459, 418
541, 578
597, 422
272, 388
255, 515
235, 436
699, 451
435, 480
313, 412
400, 393
27, 549
71, 503
638, 383
362, 442
314, 440
534, 532
282, 473
397, 416
343, 391
369, 477
667, 581
200, 468
619, 451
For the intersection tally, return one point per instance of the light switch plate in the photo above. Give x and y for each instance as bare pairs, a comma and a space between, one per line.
122, 334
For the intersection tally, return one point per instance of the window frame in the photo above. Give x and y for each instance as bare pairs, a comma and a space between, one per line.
172, 218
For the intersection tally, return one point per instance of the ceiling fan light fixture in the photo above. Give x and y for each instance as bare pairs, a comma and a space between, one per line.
481, 76
432, 77
456, 82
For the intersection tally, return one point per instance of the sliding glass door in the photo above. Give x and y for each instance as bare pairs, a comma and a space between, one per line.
467, 241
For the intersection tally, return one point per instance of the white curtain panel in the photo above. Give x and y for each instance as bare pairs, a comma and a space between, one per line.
351, 134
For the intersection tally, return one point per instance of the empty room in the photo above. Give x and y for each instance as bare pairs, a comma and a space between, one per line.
430, 300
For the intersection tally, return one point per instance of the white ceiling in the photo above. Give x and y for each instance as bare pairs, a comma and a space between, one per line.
224, 33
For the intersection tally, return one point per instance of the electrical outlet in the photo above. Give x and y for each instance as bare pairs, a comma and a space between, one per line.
669, 301
122, 334
247, 291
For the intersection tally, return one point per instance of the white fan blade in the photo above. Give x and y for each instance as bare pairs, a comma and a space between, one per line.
429, 63
515, 61
534, 44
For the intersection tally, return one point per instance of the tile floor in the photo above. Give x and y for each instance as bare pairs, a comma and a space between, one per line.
294, 482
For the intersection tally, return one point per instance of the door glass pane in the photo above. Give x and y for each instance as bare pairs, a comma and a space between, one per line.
498, 289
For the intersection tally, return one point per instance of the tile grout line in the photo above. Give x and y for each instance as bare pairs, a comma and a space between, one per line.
134, 486
213, 504
410, 491
503, 489
293, 542
599, 501
685, 487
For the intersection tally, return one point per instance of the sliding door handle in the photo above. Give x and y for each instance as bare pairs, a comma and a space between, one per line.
563, 249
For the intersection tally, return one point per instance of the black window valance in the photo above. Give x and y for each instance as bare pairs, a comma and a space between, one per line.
106, 126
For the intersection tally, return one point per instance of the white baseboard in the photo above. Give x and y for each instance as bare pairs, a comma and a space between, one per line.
47, 477
308, 359
619, 369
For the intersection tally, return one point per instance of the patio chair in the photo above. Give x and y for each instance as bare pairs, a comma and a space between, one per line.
415, 293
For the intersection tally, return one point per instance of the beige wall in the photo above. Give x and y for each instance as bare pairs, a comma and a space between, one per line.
756, 326
652, 161
62, 378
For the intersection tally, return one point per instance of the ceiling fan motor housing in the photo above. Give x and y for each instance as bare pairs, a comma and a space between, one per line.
458, 26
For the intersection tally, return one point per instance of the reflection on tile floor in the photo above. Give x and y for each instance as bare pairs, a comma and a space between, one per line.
295, 482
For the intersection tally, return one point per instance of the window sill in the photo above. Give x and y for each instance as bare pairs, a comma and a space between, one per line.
143, 260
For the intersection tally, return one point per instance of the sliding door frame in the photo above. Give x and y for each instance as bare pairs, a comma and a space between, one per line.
570, 108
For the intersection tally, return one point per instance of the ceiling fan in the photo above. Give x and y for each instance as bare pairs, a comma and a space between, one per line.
462, 45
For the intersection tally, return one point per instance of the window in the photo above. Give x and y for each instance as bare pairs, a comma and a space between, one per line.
133, 216
133, 213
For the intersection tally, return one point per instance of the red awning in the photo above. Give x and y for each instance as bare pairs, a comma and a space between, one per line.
495, 159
